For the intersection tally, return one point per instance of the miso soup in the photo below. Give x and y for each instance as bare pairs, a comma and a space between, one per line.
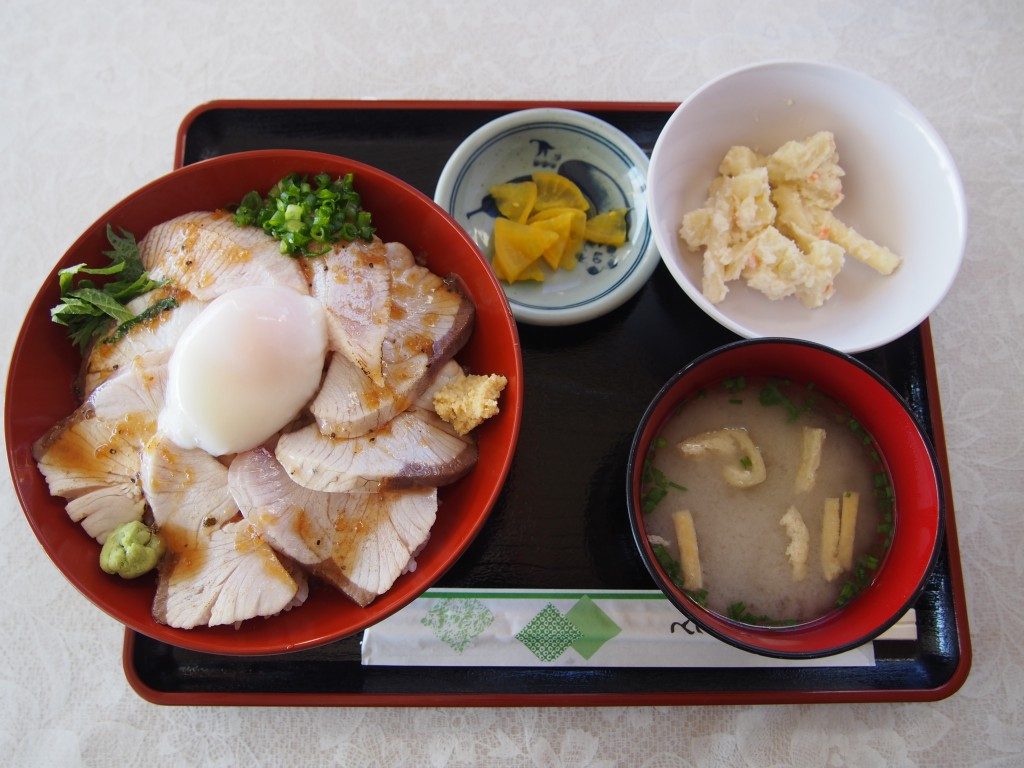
737, 457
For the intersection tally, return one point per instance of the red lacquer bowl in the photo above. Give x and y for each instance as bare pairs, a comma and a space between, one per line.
44, 365
904, 448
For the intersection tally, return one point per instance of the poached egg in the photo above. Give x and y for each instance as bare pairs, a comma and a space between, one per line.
243, 369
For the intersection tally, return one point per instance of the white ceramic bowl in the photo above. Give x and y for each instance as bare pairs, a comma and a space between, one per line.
602, 160
902, 190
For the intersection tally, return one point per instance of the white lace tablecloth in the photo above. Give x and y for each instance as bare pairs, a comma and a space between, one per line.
92, 95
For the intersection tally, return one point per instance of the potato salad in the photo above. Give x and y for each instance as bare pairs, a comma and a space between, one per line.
769, 220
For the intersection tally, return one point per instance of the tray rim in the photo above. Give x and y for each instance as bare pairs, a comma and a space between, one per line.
407, 104
647, 698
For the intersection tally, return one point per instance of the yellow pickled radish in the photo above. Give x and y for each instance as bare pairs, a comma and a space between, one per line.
608, 228
561, 225
517, 246
499, 271
555, 191
575, 242
532, 272
550, 213
515, 200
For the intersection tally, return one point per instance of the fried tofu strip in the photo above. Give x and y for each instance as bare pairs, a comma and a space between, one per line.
830, 567
751, 470
847, 528
689, 557
730, 442
716, 441
810, 458
799, 542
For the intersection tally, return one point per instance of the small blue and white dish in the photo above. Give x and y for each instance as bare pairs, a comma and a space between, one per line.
607, 166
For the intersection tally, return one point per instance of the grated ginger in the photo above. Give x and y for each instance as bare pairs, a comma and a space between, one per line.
466, 401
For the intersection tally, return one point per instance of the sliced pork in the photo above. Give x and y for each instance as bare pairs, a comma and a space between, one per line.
414, 449
221, 577
92, 458
102, 509
448, 372
175, 479
398, 256
216, 570
431, 319
349, 404
137, 389
207, 254
429, 315
150, 341
353, 282
360, 543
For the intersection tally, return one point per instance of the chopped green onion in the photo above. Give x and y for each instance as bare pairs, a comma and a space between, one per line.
307, 219
699, 596
739, 612
652, 498
669, 564
846, 594
737, 384
770, 394
653, 482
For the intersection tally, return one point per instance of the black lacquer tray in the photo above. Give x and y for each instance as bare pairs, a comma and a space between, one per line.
561, 521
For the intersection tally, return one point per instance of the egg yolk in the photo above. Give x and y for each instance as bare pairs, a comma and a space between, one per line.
244, 369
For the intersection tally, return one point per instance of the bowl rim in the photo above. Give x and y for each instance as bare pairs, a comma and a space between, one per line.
933, 138
214, 644
647, 255
692, 610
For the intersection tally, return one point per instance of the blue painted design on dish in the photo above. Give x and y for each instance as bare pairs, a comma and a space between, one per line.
483, 148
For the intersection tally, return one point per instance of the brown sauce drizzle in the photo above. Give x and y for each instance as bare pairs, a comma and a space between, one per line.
191, 231
236, 254
349, 532
186, 552
302, 527
75, 452
248, 541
